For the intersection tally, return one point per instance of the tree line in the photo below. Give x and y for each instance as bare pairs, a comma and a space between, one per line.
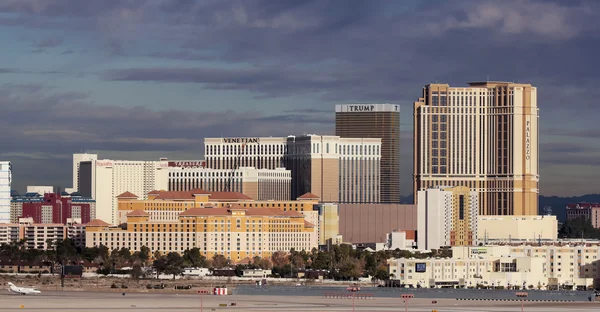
340, 262
579, 228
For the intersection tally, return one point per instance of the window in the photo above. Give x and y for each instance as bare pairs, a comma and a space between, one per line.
461, 207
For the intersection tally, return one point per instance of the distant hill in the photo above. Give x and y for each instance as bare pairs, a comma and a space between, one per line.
559, 204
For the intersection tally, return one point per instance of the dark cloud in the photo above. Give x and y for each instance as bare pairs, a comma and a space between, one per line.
271, 81
308, 111
49, 43
334, 52
41, 123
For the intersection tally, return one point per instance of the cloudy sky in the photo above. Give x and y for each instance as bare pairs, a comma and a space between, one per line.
136, 79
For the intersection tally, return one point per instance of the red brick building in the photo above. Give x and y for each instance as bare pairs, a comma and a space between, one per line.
52, 208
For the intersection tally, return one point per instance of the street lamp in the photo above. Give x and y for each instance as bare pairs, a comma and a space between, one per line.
353, 290
202, 292
405, 297
522, 295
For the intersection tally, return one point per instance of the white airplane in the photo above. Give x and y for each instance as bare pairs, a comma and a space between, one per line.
23, 290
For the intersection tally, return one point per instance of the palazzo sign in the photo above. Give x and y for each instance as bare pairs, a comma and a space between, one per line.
104, 164
361, 108
187, 164
240, 140
528, 140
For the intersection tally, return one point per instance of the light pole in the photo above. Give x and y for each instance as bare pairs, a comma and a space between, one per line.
522, 295
202, 292
406, 297
353, 290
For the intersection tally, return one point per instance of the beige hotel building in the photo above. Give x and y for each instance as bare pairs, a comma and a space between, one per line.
483, 136
227, 223
335, 169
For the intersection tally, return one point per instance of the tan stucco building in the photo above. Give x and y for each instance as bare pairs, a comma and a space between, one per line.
506, 229
484, 137
227, 223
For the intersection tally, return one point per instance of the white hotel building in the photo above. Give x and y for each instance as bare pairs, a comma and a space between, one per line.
535, 267
335, 169
5, 188
105, 179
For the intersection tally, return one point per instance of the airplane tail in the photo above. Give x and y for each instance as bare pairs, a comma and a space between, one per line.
10, 284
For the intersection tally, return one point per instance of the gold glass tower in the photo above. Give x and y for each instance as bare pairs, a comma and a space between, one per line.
376, 121
485, 137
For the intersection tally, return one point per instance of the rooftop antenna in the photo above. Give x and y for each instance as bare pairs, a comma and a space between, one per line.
488, 78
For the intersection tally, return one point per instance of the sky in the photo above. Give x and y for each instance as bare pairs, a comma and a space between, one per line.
136, 79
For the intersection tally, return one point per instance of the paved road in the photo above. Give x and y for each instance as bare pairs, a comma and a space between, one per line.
154, 302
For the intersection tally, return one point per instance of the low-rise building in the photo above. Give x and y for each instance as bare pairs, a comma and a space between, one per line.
166, 206
37, 235
589, 211
515, 229
52, 207
547, 267
447, 217
234, 231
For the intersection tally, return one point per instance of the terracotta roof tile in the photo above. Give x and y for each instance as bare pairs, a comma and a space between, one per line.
127, 195
228, 196
155, 192
308, 224
274, 212
97, 222
172, 195
309, 196
198, 191
138, 213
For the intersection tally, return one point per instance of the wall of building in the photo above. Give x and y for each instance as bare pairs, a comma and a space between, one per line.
236, 232
5, 189
484, 137
538, 266
259, 184
516, 228
447, 217
40, 189
52, 208
108, 178
315, 163
367, 223
77, 159
376, 121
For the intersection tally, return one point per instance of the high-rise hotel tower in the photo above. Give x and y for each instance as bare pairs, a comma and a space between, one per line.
485, 137
376, 121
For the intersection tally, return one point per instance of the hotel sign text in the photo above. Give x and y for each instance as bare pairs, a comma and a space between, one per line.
187, 164
361, 108
240, 140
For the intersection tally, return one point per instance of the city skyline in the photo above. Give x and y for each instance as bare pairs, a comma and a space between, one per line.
142, 80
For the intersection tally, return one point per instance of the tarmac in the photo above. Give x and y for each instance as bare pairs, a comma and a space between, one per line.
55, 301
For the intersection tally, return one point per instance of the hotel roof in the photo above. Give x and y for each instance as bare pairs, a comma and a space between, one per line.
138, 213
269, 212
127, 195
309, 196
97, 222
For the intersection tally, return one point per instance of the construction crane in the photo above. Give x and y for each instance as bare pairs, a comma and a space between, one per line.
234, 168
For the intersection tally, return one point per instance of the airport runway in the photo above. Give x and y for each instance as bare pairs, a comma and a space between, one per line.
53, 301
